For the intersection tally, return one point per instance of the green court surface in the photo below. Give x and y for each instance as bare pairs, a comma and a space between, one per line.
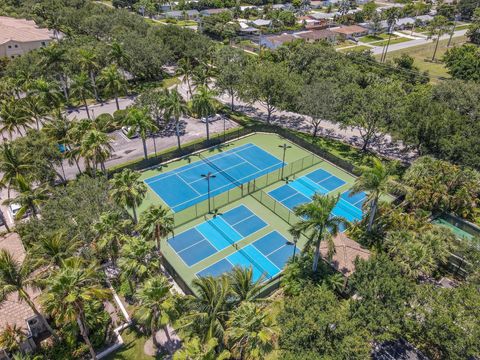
204, 245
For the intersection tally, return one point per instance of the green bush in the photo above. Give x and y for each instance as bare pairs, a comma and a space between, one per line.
119, 116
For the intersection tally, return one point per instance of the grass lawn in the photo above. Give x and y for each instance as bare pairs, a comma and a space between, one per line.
355, 49
372, 38
132, 347
394, 40
462, 26
423, 53
344, 43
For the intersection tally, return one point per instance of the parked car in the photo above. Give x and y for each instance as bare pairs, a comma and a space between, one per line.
127, 132
211, 118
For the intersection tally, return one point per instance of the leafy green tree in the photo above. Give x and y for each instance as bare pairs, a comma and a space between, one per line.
156, 306
156, 223
244, 286
270, 84
175, 107
316, 325
377, 180
437, 27
463, 62
81, 88
29, 198
317, 223
208, 311
127, 190
473, 32
250, 333
195, 349
95, 148
467, 7
112, 82
18, 278
203, 104
230, 63
382, 295
68, 292
12, 117
369, 10
118, 55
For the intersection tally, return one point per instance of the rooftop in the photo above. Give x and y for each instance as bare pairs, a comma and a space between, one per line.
21, 30
316, 34
12, 310
346, 252
349, 30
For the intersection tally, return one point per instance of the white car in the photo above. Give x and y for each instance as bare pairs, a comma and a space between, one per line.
211, 118
126, 132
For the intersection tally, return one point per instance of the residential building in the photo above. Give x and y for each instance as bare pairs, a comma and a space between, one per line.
181, 15
261, 22
208, 12
275, 41
317, 35
316, 4
351, 31
13, 311
18, 36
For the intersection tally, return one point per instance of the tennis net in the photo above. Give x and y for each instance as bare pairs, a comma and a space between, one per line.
225, 174
254, 263
306, 184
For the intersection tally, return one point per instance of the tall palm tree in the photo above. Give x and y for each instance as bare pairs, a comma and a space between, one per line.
95, 148
377, 180
155, 305
175, 107
53, 59
185, 69
110, 231
138, 261
81, 88
69, 290
49, 252
243, 285
127, 190
392, 17
13, 165
201, 75
12, 117
250, 333
140, 122
29, 198
193, 348
46, 92
318, 223
12, 337
87, 60
203, 104
438, 26
119, 56
208, 311
156, 223
17, 278
35, 109
112, 82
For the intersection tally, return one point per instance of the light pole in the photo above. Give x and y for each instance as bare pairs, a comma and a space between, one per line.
208, 176
284, 147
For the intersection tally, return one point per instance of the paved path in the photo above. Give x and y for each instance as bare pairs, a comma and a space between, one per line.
404, 45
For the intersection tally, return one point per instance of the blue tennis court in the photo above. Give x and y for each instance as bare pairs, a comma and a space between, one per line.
185, 186
213, 235
267, 257
301, 190
350, 206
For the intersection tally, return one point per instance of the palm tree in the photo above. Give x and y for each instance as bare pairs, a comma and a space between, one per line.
437, 27
318, 223
29, 198
13, 165
377, 180
208, 311
52, 60
118, 56
35, 109
175, 107
81, 88
156, 223
203, 104
17, 278
392, 17
12, 337
243, 286
95, 148
12, 117
110, 231
201, 75
250, 334
155, 305
127, 190
112, 82
49, 252
141, 123
185, 69
138, 261
87, 60
194, 349
47, 93
69, 290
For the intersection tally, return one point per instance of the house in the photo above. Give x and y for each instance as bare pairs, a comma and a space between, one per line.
424, 19
318, 25
322, 16
18, 36
345, 254
275, 41
317, 35
404, 23
261, 22
208, 12
316, 4
181, 15
351, 31
16, 312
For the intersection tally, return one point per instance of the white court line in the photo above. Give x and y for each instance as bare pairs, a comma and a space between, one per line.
188, 185
238, 222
